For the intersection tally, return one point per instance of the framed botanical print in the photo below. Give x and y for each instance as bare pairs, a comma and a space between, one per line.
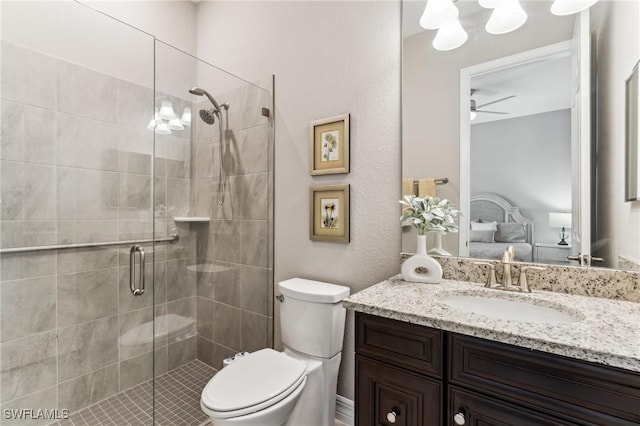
330, 145
329, 213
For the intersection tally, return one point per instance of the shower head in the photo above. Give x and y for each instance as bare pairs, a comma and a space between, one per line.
208, 115
200, 92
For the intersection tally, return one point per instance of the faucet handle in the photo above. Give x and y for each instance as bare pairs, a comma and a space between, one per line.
522, 279
508, 255
491, 278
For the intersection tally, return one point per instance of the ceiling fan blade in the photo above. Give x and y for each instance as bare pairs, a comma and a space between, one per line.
496, 101
491, 112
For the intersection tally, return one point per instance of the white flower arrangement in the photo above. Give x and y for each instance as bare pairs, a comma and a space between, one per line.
429, 214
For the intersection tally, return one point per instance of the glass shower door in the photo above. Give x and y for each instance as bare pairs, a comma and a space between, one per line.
77, 194
213, 178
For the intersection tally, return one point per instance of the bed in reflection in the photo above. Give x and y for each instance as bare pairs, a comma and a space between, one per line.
495, 225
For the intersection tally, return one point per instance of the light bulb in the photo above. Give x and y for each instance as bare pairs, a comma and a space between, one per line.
450, 36
175, 124
166, 111
472, 115
163, 128
186, 117
506, 18
438, 12
569, 7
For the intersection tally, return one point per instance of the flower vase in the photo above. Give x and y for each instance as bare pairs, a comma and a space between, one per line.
432, 271
437, 249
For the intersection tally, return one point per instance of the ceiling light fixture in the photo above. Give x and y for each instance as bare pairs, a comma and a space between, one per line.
450, 36
437, 13
506, 17
569, 7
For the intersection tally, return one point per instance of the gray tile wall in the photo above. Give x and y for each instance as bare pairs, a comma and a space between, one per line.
235, 268
76, 166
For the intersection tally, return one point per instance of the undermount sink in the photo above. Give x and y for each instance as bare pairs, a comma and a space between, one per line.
512, 310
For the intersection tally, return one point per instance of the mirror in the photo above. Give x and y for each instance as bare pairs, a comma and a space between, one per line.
527, 158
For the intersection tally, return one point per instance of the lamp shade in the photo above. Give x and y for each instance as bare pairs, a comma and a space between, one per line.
437, 13
450, 36
559, 220
166, 111
175, 124
506, 18
162, 128
186, 117
569, 7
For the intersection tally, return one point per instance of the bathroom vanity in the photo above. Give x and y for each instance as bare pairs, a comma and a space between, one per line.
421, 360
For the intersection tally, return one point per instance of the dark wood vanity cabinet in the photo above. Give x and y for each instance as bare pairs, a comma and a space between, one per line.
398, 373
424, 376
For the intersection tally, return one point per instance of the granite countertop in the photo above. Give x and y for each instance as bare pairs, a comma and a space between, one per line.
605, 331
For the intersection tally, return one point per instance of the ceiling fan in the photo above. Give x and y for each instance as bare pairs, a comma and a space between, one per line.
474, 109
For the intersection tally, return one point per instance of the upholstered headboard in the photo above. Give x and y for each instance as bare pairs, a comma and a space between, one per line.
488, 207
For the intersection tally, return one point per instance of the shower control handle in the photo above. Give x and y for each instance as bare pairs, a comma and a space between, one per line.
137, 291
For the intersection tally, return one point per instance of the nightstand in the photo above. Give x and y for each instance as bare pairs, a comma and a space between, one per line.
552, 253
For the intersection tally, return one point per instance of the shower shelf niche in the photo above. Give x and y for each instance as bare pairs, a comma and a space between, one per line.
192, 219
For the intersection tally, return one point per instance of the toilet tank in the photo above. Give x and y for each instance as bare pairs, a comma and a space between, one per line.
312, 316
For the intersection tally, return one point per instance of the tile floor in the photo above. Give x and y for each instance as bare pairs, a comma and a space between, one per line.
177, 402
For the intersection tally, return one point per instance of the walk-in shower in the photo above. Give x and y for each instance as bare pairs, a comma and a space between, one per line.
83, 180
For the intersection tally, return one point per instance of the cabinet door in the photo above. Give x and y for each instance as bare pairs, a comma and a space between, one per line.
470, 408
388, 396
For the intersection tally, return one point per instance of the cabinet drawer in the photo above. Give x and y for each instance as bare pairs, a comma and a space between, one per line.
478, 409
549, 383
411, 346
381, 390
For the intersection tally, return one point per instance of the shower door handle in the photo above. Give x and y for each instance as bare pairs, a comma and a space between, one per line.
137, 291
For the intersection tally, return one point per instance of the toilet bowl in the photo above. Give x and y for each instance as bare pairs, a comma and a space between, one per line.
295, 387
260, 389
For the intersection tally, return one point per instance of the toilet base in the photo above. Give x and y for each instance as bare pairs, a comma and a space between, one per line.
317, 404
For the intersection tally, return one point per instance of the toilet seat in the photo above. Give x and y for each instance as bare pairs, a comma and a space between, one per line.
253, 383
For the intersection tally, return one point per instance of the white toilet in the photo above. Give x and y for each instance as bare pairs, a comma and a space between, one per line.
296, 387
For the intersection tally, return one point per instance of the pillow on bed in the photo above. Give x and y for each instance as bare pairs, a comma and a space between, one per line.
510, 233
484, 226
481, 236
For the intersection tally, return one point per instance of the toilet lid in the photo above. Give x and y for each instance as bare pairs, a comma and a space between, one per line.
252, 380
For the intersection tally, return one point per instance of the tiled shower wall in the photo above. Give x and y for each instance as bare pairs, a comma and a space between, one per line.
76, 166
235, 265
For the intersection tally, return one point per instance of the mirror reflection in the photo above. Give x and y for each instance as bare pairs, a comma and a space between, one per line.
527, 128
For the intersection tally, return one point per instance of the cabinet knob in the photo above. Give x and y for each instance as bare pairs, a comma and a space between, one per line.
392, 415
459, 419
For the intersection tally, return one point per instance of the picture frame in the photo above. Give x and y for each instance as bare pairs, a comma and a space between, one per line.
632, 136
329, 151
329, 213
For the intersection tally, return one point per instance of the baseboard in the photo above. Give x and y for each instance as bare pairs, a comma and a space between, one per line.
344, 410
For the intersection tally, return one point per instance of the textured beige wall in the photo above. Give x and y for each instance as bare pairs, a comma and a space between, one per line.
328, 58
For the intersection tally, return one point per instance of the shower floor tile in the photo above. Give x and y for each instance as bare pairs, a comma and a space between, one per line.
177, 402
